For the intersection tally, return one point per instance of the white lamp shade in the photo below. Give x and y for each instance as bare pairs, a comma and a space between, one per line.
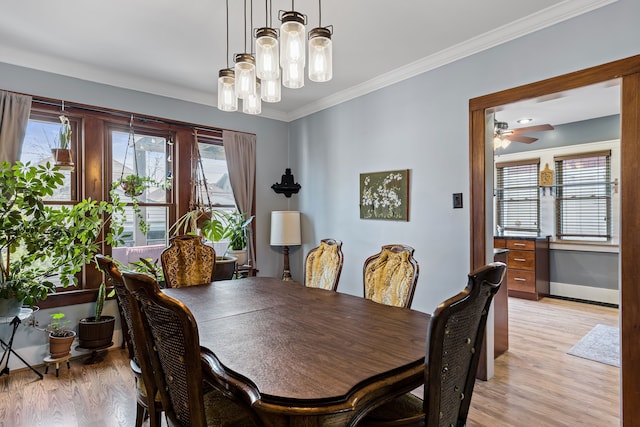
292, 46
293, 76
253, 103
285, 228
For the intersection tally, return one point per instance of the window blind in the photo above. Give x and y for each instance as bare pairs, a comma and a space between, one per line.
517, 197
583, 196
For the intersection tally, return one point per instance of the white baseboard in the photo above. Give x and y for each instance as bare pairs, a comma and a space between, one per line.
588, 293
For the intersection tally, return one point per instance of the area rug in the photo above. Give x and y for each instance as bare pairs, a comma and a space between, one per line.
601, 344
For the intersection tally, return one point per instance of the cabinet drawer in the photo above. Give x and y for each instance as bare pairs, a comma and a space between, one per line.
522, 260
499, 243
523, 245
520, 280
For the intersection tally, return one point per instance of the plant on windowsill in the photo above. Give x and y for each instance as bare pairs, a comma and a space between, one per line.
39, 242
62, 154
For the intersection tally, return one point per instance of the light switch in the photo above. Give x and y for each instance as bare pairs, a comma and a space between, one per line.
457, 200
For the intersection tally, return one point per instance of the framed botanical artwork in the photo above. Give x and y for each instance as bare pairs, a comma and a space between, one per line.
385, 195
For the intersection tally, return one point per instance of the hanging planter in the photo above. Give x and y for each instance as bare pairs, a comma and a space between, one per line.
62, 154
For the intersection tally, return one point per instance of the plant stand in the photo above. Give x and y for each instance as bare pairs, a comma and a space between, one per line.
97, 354
51, 361
15, 321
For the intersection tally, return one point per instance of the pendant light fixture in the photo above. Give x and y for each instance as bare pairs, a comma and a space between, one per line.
320, 51
267, 48
292, 48
271, 90
245, 68
227, 100
253, 103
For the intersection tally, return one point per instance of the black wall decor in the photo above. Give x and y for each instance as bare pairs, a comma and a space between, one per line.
287, 185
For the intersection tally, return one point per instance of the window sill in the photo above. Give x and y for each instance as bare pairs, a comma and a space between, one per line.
585, 246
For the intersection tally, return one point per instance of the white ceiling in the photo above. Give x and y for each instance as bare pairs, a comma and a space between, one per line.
175, 49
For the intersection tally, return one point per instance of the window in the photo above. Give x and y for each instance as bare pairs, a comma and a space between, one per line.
146, 154
583, 196
216, 174
517, 197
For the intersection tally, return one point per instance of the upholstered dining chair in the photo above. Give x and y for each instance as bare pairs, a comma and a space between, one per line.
173, 345
454, 342
187, 261
323, 265
390, 276
148, 404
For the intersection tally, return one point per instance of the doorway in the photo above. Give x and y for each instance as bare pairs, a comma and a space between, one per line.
481, 225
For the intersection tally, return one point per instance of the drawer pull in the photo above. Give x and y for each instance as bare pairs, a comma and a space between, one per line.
519, 279
520, 259
519, 244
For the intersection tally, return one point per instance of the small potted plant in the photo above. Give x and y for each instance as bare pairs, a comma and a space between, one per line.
60, 336
96, 332
62, 154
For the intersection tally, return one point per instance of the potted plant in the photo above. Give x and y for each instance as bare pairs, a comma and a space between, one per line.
60, 336
96, 332
62, 154
236, 230
133, 186
39, 242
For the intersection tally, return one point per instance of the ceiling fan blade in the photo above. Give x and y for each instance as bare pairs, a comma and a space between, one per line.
532, 129
521, 138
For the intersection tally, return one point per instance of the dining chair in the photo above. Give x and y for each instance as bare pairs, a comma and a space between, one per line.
323, 265
455, 337
173, 345
187, 262
390, 276
148, 404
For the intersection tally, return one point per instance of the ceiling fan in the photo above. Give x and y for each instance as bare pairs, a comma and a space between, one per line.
503, 133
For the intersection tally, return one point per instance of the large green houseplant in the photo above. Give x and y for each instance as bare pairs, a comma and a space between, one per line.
40, 242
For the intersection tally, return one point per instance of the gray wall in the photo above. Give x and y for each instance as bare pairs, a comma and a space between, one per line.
422, 124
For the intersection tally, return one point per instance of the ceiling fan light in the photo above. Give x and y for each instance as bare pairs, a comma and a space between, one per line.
227, 100
292, 34
270, 90
253, 103
267, 54
505, 143
245, 71
524, 121
320, 55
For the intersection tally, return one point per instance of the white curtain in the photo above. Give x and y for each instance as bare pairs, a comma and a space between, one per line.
14, 117
240, 151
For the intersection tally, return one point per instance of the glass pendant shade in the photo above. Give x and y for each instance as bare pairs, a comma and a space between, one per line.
267, 54
293, 76
253, 103
245, 71
292, 34
320, 55
271, 90
227, 100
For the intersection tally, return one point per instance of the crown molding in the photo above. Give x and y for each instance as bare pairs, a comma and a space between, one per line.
552, 15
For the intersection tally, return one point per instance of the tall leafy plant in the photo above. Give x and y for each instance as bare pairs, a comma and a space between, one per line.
39, 242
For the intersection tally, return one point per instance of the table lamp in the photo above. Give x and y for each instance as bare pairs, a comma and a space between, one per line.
285, 231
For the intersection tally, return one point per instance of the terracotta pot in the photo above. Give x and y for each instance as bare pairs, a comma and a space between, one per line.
60, 346
92, 334
63, 158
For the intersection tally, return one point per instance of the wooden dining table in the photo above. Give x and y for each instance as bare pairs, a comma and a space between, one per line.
305, 356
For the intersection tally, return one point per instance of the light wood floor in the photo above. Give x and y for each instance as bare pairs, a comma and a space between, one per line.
536, 382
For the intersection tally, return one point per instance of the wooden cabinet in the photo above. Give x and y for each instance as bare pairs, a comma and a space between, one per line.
527, 265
